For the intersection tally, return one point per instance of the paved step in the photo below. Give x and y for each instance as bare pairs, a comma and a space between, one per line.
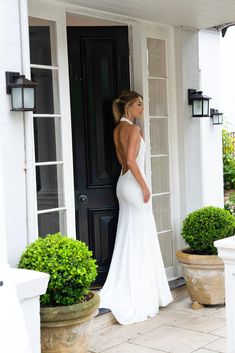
105, 318
102, 320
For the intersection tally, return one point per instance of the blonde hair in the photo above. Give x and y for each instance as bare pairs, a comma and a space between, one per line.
120, 103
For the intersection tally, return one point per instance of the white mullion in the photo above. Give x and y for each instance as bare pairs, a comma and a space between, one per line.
50, 210
159, 116
157, 78
47, 115
44, 67
161, 193
165, 231
159, 155
39, 164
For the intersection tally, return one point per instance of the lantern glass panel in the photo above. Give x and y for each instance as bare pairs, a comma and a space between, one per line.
197, 108
215, 118
16, 96
29, 98
205, 108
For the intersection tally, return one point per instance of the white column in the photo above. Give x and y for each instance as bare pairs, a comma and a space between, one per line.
11, 139
189, 129
3, 236
212, 161
226, 251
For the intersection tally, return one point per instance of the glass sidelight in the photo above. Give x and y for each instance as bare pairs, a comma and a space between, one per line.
49, 164
159, 144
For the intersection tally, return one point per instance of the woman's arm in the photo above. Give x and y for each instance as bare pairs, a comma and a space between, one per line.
132, 152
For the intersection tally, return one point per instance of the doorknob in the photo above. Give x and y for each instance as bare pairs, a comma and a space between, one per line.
82, 199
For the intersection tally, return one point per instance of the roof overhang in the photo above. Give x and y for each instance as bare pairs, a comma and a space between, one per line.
198, 14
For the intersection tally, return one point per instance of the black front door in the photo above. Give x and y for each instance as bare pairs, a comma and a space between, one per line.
99, 71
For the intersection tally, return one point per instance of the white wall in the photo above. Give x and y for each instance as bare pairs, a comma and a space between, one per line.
12, 134
189, 130
228, 78
200, 143
211, 148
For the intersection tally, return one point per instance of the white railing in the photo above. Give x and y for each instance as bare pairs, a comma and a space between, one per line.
226, 251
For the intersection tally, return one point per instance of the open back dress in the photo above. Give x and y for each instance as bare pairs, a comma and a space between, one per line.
136, 285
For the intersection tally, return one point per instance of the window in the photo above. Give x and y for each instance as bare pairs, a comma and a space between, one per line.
159, 142
49, 164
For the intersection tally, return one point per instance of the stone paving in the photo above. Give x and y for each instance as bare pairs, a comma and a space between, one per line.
176, 329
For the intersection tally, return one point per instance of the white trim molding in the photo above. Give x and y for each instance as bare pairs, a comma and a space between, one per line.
226, 250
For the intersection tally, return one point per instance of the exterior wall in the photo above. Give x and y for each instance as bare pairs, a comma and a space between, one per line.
211, 152
200, 143
12, 134
228, 78
189, 129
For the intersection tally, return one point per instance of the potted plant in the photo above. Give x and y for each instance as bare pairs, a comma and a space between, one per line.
203, 270
68, 307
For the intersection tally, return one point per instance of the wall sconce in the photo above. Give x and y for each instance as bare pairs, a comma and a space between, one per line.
22, 90
199, 102
217, 117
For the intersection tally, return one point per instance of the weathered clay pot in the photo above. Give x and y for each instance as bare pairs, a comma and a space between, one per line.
204, 277
65, 329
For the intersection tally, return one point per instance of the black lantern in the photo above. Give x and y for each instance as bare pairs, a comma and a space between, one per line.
22, 90
199, 102
217, 117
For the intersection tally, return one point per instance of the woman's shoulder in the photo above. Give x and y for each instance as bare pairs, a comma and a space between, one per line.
134, 131
135, 128
126, 130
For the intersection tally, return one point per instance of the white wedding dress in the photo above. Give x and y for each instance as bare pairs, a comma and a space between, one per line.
136, 285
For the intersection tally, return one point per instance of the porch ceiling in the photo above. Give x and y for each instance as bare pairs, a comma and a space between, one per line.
190, 13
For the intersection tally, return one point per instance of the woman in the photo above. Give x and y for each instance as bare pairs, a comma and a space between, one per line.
136, 284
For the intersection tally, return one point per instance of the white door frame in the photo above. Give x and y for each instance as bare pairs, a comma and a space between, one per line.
138, 33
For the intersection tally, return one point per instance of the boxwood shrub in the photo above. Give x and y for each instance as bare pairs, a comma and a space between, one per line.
69, 263
202, 227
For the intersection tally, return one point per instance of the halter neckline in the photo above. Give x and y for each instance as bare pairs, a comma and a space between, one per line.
126, 120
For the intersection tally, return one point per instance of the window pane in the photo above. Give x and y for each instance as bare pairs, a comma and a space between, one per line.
53, 222
40, 45
49, 186
160, 174
156, 57
162, 212
47, 139
42, 37
159, 136
157, 97
165, 241
47, 98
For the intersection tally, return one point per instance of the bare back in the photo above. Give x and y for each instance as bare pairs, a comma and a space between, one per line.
127, 142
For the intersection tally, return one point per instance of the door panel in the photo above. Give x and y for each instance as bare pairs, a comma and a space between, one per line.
99, 71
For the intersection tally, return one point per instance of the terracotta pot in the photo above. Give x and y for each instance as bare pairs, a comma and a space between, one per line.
204, 277
65, 329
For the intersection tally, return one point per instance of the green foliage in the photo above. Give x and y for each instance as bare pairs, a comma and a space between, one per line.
227, 141
202, 227
229, 174
231, 196
69, 263
228, 160
230, 206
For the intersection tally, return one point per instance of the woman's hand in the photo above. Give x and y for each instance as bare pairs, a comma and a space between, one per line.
146, 193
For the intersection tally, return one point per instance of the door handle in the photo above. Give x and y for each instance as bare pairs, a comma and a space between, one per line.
82, 199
